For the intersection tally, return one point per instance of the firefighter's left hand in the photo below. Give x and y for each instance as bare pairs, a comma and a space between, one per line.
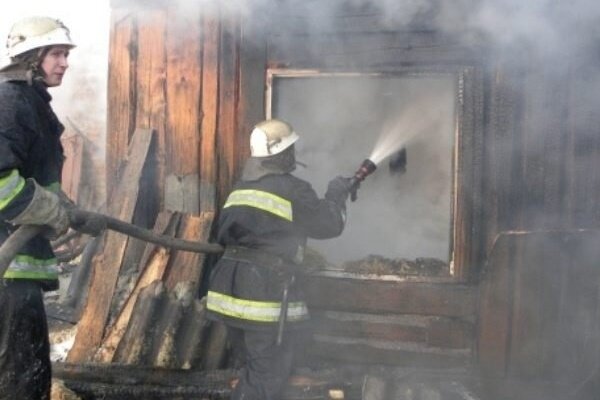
338, 190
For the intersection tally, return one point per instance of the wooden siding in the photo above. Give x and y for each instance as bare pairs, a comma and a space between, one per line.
538, 316
176, 69
352, 42
531, 148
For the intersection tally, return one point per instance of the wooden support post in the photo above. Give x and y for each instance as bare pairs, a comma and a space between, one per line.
136, 344
107, 264
186, 266
210, 99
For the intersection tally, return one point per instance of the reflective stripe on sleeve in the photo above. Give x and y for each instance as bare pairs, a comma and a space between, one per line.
28, 267
262, 200
10, 187
251, 310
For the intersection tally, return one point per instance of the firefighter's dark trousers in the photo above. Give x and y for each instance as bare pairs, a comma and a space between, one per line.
24, 350
266, 366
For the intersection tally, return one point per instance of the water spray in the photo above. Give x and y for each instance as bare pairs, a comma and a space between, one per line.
368, 166
392, 142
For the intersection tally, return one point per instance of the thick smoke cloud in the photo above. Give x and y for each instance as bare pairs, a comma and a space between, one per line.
342, 120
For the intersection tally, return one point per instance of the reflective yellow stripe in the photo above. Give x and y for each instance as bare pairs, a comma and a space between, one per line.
10, 187
28, 267
38, 275
260, 311
262, 200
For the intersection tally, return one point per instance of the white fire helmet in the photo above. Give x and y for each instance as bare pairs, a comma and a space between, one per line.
35, 32
271, 137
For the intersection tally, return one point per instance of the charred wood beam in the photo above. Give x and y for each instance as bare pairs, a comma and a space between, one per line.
118, 381
354, 294
436, 331
139, 375
365, 351
135, 346
143, 392
77, 290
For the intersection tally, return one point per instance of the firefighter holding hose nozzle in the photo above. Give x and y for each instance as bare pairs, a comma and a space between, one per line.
264, 226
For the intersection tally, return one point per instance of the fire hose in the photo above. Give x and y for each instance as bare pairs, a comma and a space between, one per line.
11, 246
24, 233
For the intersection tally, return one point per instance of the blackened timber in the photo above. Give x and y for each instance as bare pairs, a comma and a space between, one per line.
227, 123
152, 265
191, 338
216, 347
253, 60
150, 90
164, 344
495, 309
342, 16
363, 351
531, 322
466, 242
210, 103
439, 332
136, 374
367, 51
144, 392
135, 346
185, 266
106, 266
121, 92
380, 297
502, 123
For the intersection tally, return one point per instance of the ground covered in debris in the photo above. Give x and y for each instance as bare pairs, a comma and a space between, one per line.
380, 265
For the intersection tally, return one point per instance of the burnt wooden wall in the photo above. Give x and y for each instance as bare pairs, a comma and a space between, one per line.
186, 70
539, 306
542, 153
538, 292
196, 74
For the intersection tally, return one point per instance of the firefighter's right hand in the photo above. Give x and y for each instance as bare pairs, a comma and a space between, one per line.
339, 189
45, 208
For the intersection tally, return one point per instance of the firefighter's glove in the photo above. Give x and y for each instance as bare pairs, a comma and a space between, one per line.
338, 190
87, 223
66, 201
47, 209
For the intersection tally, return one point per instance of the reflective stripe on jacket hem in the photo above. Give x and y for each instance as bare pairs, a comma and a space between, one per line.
10, 187
262, 200
28, 267
251, 310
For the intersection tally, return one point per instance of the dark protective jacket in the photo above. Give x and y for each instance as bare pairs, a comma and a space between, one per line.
30, 150
273, 216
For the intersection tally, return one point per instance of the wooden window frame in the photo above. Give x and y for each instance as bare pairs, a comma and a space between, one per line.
466, 236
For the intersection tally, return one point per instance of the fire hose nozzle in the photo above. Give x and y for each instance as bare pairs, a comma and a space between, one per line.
366, 168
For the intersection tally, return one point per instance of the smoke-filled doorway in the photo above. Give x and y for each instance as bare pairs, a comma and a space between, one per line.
340, 118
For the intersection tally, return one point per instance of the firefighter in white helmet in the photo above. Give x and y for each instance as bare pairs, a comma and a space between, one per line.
31, 159
264, 226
